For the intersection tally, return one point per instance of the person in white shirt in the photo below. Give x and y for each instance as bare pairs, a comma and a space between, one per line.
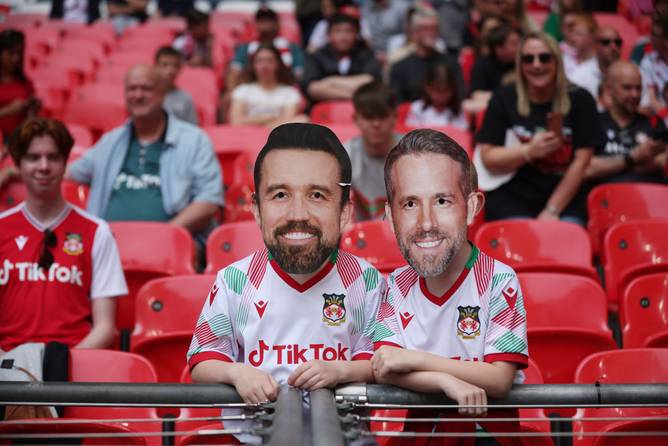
472, 302
654, 67
266, 95
581, 38
441, 103
589, 75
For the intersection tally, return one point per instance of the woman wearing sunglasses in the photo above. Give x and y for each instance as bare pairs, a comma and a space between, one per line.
59, 266
537, 139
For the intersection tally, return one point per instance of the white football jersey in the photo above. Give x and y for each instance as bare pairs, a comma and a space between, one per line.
480, 318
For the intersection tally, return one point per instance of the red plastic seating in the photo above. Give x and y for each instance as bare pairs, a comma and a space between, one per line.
375, 242
231, 242
642, 312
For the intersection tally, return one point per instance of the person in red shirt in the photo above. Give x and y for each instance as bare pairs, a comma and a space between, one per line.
17, 96
59, 266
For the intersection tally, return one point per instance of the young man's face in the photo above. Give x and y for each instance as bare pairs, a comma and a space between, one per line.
299, 208
42, 168
376, 131
342, 37
429, 211
168, 68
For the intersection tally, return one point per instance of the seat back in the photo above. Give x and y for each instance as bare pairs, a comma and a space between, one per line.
536, 245
632, 249
642, 312
375, 242
608, 204
149, 250
627, 366
238, 203
231, 242
333, 112
165, 316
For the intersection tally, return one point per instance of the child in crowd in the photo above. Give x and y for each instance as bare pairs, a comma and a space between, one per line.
168, 62
440, 104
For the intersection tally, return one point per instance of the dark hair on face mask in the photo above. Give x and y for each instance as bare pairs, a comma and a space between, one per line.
305, 136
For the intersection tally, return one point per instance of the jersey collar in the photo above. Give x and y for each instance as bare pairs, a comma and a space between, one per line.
52, 224
301, 287
440, 300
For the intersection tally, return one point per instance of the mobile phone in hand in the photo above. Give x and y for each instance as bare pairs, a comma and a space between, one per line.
555, 123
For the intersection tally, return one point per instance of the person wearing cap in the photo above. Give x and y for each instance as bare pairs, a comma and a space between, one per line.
267, 27
298, 312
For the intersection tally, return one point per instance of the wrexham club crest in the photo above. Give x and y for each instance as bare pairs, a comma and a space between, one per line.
468, 324
334, 310
72, 244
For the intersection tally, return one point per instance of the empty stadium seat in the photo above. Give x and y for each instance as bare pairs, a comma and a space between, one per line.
632, 249
100, 107
238, 203
231, 242
75, 193
166, 311
628, 366
149, 250
88, 365
81, 135
567, 321
608, 204
537, 245
375, 242
236, 137
642, 312
333, 112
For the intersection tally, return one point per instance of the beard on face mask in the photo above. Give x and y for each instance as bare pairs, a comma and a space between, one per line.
431, 265
300, 259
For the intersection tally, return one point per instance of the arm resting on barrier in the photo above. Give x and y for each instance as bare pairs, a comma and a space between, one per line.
253, 385
314, 375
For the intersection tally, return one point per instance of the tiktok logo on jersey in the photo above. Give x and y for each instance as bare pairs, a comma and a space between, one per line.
31, 272
290, 354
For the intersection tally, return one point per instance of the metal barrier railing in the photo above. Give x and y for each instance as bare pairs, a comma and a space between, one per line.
333, 417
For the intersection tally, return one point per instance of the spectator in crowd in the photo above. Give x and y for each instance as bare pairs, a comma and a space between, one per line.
177, 102
487, 24
453, 19
375, 116
266, 95
127, 13
195, 44
537, 139
552, 25
75, 11
267, 28
318, 37
498, 67
654, 66
635, 148
155, 167
514, 11
17, 95
582, 40
590, 74
302, 180
309, 13
441, 103
407, 75
60, 268
439, 327
380, 20
401, 45
342, 66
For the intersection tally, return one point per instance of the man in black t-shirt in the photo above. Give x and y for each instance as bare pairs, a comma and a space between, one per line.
408, 74
635, 148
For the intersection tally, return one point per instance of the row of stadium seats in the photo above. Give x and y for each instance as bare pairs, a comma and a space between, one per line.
608, 367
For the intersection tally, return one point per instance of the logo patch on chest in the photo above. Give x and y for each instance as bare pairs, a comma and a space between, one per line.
468, 323
21, 241
334, 310
72, 244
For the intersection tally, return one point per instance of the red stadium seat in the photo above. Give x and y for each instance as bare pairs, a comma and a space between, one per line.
628, 366
149, 250
375, 242
642, 312
75, 193
175, 25
90, 49
100, 32
231, 242
79, 69
247, 137
608, 204
333, 112
567, 322
345, 132
102, 366
243, 169
536, 245
100, 107
466, 61
15, 192
166, 312
238, 203
632, 249
82, 136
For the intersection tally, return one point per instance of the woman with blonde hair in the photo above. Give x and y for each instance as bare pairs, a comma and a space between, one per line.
537, 139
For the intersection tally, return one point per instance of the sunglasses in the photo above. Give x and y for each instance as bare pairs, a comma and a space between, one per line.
608, 42
543, 58
50, 241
